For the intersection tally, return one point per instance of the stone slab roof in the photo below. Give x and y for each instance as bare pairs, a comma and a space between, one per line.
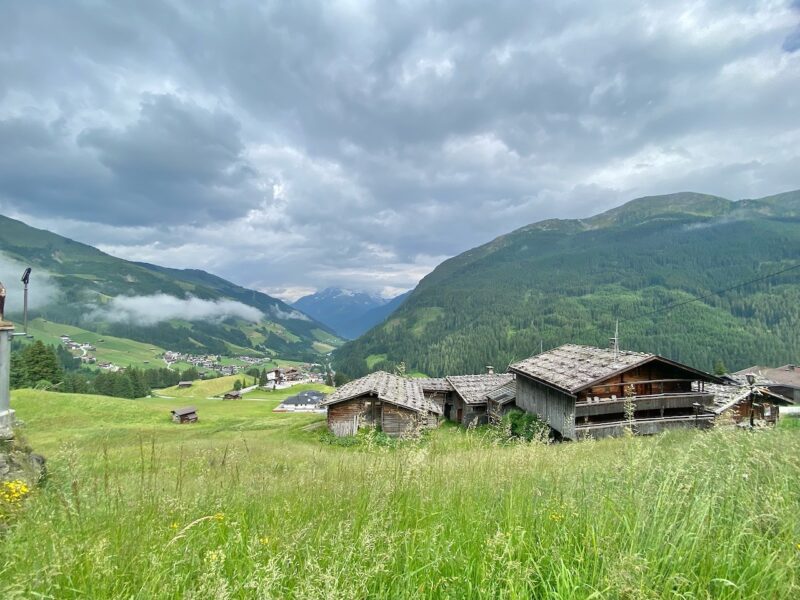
573, 368
394, 389
182, 412
473, 388
785, 375
435, 384
505, 393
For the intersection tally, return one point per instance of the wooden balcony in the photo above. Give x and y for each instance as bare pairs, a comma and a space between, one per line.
605, 406
643, 426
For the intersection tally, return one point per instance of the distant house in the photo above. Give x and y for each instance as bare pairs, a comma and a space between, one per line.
395, 404
188, 414
737, 402
583, 391
468, 402
784, 381
234, 395
308, 401
184, 384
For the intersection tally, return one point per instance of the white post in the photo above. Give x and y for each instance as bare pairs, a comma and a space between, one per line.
6, 414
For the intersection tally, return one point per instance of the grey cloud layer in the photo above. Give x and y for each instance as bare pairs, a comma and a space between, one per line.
303, 144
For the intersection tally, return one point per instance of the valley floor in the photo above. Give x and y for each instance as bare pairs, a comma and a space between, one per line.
248, 503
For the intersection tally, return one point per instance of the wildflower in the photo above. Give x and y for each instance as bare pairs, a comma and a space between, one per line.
14, 491
264, 540
556, 517
797, 546
173, 526
219, 517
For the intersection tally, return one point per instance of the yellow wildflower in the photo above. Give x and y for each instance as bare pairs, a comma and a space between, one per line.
556, 517
174, 526
219, 517
264, 540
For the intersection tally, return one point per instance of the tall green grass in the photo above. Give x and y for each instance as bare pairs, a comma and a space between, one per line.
267, 511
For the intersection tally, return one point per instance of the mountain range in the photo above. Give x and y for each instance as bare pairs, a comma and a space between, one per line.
346, 312
571, 280
185, 310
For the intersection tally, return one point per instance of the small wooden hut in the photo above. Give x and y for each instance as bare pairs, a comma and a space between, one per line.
395, 404
501, 400
234, 395
187, 414
468, 403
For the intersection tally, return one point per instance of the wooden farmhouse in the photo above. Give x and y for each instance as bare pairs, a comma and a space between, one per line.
184, 384
187, 414
395, 404
580, 391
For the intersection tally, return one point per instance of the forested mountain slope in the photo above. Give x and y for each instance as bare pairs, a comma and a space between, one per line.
83, 286
561, 281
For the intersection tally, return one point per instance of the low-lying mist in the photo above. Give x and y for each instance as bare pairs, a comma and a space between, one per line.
43, 289
157, 308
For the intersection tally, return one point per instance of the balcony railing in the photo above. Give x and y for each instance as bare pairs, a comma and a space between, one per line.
648, 402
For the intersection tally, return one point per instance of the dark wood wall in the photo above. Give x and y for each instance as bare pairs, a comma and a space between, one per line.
646, 373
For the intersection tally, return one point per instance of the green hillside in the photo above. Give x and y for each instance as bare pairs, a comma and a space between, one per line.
250, 503
564, 281
87, 280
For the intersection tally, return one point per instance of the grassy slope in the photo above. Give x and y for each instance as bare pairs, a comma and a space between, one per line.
248, 503
120, 351
204, 389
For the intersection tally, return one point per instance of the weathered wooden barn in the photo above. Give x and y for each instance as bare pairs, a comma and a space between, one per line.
436, 389
583, 391
187, 414
395, 404
784, 381
501, 401
467, 403
736, 401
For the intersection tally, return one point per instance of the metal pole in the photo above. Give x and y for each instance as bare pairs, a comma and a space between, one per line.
25, 309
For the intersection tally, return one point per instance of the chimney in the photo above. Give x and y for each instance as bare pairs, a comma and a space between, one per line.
490, 369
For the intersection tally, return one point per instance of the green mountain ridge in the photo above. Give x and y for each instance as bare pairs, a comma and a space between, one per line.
88, 279
560, 281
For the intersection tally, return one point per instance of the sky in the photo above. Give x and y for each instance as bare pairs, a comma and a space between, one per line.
292, 146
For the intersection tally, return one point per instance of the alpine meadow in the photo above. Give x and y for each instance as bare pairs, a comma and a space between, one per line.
352, 300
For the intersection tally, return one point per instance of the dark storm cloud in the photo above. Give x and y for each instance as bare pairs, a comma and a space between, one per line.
176, 162
304, 144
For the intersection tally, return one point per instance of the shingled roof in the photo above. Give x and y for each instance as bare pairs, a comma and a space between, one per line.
473, 388
435, 384
572, 368
786, 375
388, 388
505, 393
